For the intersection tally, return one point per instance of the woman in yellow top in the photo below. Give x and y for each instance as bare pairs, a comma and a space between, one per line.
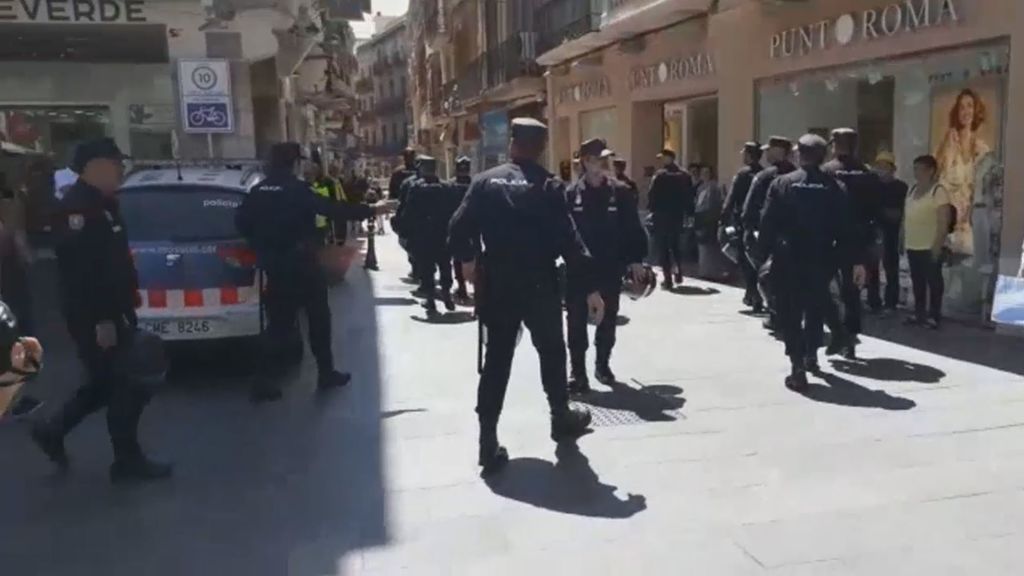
926, 223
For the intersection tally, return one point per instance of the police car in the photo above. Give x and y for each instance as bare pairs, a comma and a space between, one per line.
197, 277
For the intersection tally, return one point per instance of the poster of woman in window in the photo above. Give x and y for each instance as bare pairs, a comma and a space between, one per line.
966, 122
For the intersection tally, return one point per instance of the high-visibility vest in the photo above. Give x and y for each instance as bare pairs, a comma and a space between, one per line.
325, 191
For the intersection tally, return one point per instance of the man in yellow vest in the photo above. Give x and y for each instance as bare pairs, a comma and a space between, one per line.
322, 186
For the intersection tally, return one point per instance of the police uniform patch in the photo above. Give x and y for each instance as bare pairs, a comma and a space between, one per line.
76, 221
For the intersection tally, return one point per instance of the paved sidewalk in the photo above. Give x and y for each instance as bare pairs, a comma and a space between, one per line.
907, 463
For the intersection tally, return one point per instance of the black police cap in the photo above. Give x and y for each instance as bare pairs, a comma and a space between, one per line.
286, 153
93, 150
812, 142
528, 129
463, 161
593, 147
780, 142
843, 132
619, 162
752, 147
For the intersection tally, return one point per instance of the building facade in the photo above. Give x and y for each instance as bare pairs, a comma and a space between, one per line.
913, 76
383, 97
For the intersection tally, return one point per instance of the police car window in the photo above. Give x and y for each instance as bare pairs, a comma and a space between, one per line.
180, 213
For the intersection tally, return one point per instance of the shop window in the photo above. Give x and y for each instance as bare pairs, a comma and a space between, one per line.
53, 129
950, 104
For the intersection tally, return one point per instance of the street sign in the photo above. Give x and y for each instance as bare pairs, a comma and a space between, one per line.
206, 106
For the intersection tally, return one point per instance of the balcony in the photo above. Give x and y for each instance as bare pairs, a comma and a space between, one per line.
514, 58
571, 28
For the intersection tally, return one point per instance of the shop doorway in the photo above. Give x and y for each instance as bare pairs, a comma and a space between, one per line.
562, 148
691, 129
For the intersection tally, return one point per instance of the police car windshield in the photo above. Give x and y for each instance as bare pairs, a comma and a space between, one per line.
180, 213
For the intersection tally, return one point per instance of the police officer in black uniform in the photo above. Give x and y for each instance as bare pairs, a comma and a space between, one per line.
807, 230
672, 199
605, 213
405, 172
278, 218
98, 289
778, 153
518, 211
863, 190
620, 174
457, 189
425, 215
732, 214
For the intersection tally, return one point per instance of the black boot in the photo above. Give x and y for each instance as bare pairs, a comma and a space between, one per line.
138, 468
797, 381
493, 456
52, 444
811, 364
332, 379
446, 298
770, 323
604, 374
579, 382
569, 424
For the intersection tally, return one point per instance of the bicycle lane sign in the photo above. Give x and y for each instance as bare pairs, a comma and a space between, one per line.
206, 105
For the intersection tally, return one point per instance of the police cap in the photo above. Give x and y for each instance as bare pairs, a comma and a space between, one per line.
780, 142
608, 153
463, 161
752, 147
528, 129
426, 162
812, 143
667, 153
619, 162
594, 147
95, 149
844, 133
286, 153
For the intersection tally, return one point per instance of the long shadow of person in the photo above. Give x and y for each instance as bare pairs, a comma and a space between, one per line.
844, 392
621, 320
694, 291
649, 403
569, 486
460, 317
890, 369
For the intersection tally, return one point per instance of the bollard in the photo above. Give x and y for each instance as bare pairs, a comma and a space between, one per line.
370, 262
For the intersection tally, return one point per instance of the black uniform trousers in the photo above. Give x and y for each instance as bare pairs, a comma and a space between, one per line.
287, 294
749, 273
890, 261
103, 388
460, 278
540, 310
668, 239
604, 336
801, 301
849, 299
429, 262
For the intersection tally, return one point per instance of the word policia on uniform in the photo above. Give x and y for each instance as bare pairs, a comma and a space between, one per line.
907, 16
72, 10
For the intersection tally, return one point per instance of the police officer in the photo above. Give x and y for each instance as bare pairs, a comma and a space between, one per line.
778, 153
278, 218
732, 214
403, 173
425, 215
672, 200
457, 189
807, 230
98, 286
863, 188
605, 213
518, 211
620, 174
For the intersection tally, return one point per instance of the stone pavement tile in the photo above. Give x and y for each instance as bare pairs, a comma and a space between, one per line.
940, 526
436, 546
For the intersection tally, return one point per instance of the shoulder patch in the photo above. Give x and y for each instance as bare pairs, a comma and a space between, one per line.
76, 221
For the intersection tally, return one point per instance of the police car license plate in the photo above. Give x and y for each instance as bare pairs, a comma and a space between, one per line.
184, 327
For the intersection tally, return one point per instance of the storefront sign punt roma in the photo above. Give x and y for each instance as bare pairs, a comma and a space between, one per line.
672, 70
584, 91
904, 17
72, 11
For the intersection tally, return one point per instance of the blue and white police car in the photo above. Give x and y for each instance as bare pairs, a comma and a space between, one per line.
198, 279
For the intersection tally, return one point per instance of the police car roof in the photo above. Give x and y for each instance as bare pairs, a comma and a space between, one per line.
239, 178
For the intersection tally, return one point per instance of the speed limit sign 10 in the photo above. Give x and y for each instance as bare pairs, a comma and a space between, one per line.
206, 105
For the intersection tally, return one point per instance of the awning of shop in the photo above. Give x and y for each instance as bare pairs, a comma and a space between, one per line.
127, 43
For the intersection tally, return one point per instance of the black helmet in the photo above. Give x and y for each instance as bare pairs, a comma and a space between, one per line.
642, 286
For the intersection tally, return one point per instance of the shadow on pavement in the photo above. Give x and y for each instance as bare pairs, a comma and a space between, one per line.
287, 488
685, 290
569, 486
460, 317
649, 403
394, 301
622, 320
890, 369
393, 413
843, 392
974, 344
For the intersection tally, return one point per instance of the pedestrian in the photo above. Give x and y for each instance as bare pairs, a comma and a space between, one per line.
20, 359
98, 285
517, 211
313, 174
927, 223
808, 231
425, 215
732, 213
862, 191
893, 198
605, 213
457, 190
278, 219
708, 214
777, 155
671, 202
620, 174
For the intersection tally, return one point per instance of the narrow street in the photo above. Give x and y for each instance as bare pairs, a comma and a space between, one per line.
905, 463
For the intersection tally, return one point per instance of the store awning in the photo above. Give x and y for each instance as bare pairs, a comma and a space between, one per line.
121, 43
